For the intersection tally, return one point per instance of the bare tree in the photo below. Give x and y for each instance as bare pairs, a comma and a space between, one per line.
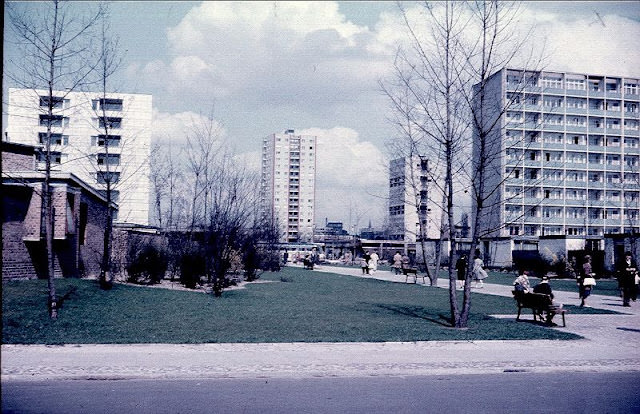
433, 95
429, 107
494, 49
55, 57
109, 62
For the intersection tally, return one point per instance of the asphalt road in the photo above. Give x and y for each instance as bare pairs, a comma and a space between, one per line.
522, 392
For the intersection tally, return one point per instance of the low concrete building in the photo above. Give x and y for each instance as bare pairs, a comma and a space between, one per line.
79, 211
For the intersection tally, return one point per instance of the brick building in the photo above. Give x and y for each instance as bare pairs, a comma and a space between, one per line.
79, 212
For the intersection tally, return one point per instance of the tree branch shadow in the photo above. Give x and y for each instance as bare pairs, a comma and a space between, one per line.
417, 312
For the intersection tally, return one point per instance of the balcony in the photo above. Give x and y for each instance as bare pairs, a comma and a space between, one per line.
576, 128
576, 111
576, 92
549, 145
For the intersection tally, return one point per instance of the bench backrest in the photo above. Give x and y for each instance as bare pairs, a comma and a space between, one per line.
532, 300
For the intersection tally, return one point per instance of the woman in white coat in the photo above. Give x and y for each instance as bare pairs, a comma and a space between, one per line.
479, 274
373, 262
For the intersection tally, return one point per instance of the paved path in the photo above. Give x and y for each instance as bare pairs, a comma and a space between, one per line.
612, 343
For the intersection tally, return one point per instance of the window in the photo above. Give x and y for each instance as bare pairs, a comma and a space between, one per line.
576, 84
109, 104
579, 121
552, 102
631, 107
631, 124
54, 121
631, 143
631, 87
104, 176
552, 81
108, 159
56, 157
56, 139
109, 122
611, 85
576, 103
57, 101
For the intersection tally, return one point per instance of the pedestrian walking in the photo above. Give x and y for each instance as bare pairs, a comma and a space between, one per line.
627, 279
373, 262
461, 267
586, 280
479, 274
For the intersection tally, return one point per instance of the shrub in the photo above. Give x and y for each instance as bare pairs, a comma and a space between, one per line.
147, 266
192, 268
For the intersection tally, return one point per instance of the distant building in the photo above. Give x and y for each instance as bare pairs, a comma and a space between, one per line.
567, 157
79, 219
288, 184
78, 141
411, 200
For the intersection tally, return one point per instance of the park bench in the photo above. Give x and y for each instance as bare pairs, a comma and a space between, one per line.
540, 304
407, 271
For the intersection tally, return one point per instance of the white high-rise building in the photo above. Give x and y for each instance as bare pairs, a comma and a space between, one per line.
78, 141
569, 163
288, 184
411, 200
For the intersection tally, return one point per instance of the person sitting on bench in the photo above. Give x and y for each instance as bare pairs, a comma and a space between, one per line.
545, 288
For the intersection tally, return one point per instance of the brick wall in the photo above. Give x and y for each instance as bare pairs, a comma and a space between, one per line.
90, 252
24, 253
17, 254
13, 161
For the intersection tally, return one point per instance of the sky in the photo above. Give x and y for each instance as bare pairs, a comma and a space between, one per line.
315, 67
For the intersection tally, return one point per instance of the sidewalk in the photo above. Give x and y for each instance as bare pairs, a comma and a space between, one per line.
611, 344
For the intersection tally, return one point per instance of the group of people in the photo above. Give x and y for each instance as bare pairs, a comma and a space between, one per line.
627, 272
477, 271
400, 261
369, 263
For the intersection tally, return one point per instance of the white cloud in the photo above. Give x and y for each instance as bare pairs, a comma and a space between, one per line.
351, 176
172, 128
587, 46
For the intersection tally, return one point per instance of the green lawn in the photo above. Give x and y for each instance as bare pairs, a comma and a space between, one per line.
300, 306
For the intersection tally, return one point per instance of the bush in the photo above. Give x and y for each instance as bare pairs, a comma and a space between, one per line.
192, 268
147, 266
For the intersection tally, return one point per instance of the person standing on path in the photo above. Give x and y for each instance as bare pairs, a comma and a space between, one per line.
627, 273
364, 263
584, 290
461, 267
397, 263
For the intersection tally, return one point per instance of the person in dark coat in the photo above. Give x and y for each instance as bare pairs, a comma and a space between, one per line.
627, 271
461, 267
543, 287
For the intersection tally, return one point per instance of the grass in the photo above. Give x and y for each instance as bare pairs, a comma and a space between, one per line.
300, 306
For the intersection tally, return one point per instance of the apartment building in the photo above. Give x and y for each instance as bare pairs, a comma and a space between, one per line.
80, 146
569, 163
411, 200
288, 183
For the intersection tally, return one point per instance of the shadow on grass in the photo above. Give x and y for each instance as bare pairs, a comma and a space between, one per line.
417, 312
66, 296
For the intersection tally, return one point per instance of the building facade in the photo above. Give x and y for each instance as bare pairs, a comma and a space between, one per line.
411, 200
79, 219
565, 158
79, 144
288, 184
